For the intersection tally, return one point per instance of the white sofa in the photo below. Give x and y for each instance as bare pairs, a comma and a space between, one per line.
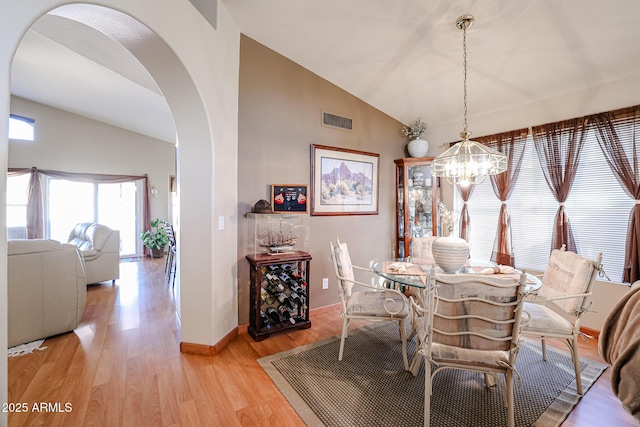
47, 290
99, 246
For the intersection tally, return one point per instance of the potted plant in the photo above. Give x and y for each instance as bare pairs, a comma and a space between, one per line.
417, 147
155, 239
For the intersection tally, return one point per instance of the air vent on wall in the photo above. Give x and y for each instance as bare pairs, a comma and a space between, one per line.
336, 121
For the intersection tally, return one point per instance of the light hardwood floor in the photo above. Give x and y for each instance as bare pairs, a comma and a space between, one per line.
122, 367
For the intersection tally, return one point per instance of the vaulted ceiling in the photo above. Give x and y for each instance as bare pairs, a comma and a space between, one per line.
404, 57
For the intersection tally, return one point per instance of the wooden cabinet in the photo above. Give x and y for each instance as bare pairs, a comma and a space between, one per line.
279, 293
417, 197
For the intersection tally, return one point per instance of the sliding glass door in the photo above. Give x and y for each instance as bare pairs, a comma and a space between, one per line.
117, 206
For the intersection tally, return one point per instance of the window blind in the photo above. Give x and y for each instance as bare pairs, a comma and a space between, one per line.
597, 206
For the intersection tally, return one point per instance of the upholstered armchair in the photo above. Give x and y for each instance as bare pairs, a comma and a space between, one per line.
46, 289
471, 322
556, 311
99, 246
362, 301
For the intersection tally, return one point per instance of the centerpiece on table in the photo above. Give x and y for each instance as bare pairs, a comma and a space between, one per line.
450, 252
417, 147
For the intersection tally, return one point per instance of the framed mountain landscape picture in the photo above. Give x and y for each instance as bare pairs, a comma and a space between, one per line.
343, 181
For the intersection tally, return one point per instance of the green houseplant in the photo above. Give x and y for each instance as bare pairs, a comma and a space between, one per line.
155, 239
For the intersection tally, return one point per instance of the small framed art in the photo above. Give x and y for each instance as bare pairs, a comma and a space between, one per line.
289, 198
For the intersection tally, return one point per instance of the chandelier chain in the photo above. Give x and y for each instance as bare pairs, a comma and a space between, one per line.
464, 63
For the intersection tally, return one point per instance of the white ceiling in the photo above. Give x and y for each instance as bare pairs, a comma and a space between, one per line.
404, 57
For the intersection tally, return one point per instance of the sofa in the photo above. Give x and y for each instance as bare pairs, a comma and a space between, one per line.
46, 289
99, 247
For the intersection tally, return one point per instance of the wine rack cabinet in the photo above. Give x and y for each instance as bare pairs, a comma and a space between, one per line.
279, 293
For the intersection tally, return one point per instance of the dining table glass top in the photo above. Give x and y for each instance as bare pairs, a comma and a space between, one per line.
414, 272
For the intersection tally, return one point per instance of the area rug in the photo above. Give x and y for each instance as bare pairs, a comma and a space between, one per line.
371, 388
22, 349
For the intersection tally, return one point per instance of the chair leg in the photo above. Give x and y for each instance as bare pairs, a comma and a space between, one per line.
544, 349
173, 279
576, 363
403, 337
510, 410
168, 269
427, 393
345, 328
414, 368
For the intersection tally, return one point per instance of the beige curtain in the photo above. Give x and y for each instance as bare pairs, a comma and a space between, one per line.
559, 146
35, 204
618, 135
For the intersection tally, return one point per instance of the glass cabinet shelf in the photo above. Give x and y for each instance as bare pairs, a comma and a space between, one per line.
417, 197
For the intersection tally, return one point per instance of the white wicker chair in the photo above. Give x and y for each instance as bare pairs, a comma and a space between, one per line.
370, 303
556, 311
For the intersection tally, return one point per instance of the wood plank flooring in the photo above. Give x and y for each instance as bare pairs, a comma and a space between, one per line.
122, 367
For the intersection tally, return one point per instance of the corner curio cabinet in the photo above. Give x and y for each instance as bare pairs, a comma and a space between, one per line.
417, 197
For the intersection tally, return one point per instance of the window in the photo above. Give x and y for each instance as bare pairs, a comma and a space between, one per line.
115, 205
597, 206
22, 128
17, 194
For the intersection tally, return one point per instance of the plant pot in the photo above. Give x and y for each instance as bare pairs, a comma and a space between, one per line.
450, 253
418, 147
156, 253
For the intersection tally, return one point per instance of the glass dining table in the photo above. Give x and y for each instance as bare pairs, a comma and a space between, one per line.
414, 272
407, 273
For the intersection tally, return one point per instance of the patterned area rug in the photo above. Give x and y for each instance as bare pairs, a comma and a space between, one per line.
370, 387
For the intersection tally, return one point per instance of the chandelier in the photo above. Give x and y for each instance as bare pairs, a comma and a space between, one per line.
468, 162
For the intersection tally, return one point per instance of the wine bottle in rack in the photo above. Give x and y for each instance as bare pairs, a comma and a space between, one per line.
273, 280
296, 299
285, 312
273, 316
297, 289
273, 289
301, 282
287, 279
289, 303
263, 294
264, 320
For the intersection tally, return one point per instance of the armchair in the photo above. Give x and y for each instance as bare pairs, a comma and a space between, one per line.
556, 311
371, 303
99, 246
471, 322
46, 289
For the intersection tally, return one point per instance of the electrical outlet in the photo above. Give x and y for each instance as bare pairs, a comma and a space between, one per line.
325, 283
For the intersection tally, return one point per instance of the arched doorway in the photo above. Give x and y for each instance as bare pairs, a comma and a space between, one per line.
200, 86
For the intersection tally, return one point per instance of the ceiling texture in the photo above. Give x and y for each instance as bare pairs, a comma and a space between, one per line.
403, 57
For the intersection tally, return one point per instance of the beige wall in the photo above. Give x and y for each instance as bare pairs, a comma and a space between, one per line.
279, 118
71, 143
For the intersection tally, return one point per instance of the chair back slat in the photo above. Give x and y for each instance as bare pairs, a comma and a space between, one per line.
478, 311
